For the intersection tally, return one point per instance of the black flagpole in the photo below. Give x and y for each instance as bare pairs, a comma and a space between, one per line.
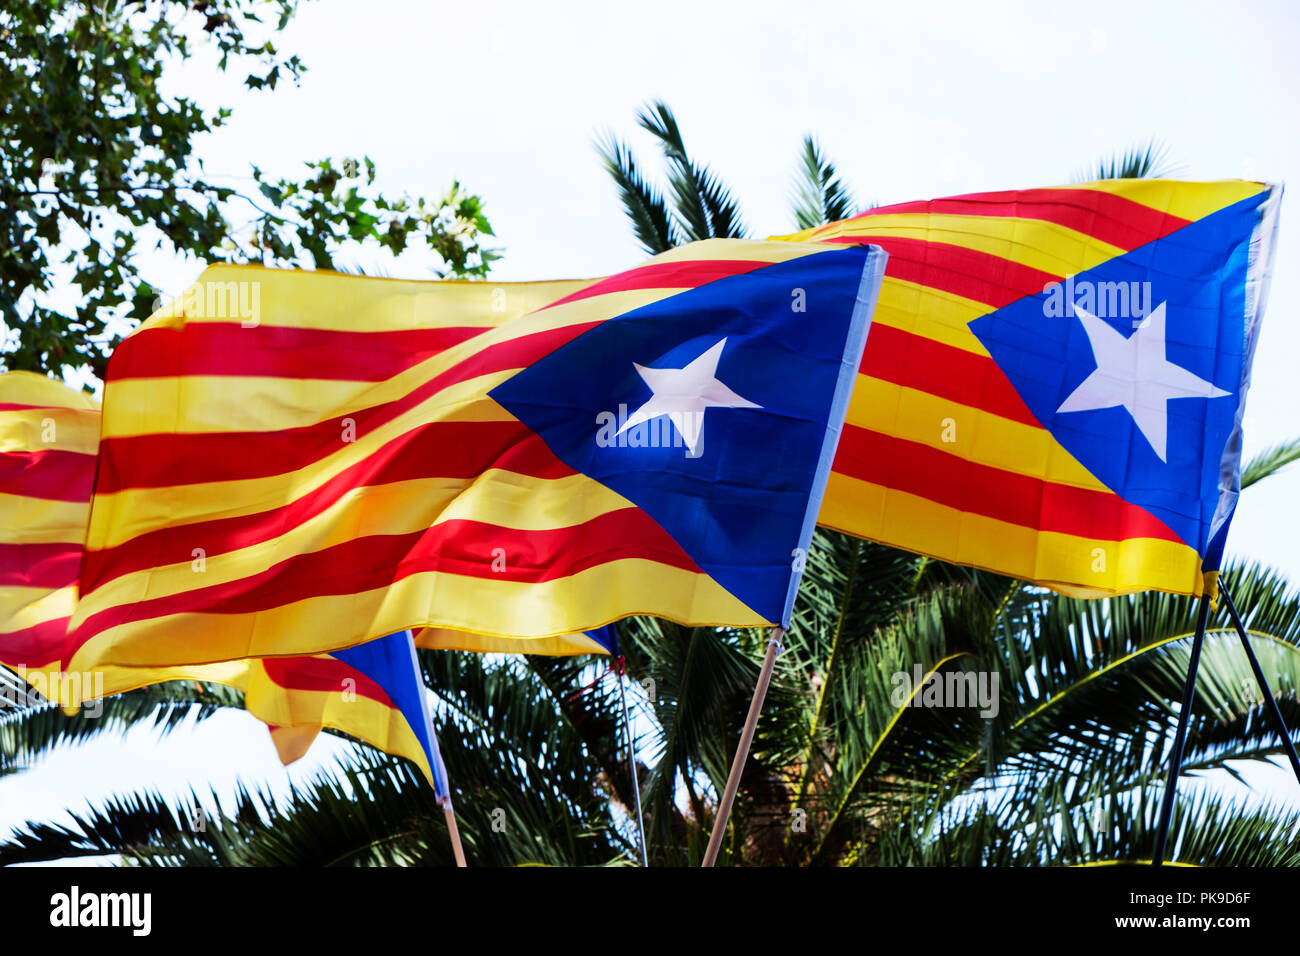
1269, 699
1180, 738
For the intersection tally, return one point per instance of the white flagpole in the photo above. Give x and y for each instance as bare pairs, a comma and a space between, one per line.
631, 760
742, 749
438, 768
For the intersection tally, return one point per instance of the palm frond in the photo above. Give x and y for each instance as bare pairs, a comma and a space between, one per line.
645, 207
28, 732
1205, 830
1270, 461
1148, 161
820, 196
527, 786
520, 758
705, 207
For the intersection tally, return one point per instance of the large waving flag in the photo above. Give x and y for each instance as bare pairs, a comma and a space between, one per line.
281, 484
1054, 380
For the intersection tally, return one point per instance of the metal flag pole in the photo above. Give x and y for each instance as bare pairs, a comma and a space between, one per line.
1180, 738
1260, 679
631, 761
742, 749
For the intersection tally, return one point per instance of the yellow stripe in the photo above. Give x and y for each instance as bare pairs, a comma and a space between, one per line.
1075, 565
1036, 243
967, 432
590, 598
85, 684
524, 503
332, 301
929, 312
23, 607
28, 388
203, 404
50, 429
512, 501
443, 639
1186, 200
25, 520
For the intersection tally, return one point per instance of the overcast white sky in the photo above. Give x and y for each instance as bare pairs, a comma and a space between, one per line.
911, 100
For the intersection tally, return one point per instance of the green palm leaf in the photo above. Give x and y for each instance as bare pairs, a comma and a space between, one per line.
645, 207
1145, 161
1270, 461
820, 195
704, 204
30, 731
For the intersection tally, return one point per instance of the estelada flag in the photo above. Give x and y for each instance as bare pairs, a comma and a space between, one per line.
372, 691
291, 476
1054, 380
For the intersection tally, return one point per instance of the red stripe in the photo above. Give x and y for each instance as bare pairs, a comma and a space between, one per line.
1103, 215
34, 646
50, 474
943, 370
687, 274
442, 449
969, 273
226, 348
322, 675
162, 460
959, 483
49, 565
462, 547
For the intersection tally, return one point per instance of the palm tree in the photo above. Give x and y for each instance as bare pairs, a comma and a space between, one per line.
843, 770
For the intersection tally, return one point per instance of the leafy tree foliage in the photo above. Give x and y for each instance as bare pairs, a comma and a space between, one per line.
98, 165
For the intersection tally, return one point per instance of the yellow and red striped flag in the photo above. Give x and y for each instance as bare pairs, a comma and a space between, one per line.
49, 437
1053, 382
325, 459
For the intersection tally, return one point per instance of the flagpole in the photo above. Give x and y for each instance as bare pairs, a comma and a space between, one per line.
1260, 679
449, 813
1180, 737
631, 761
437, 769
742, 749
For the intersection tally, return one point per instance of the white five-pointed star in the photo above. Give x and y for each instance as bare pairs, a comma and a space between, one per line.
684, 393
1133, 372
